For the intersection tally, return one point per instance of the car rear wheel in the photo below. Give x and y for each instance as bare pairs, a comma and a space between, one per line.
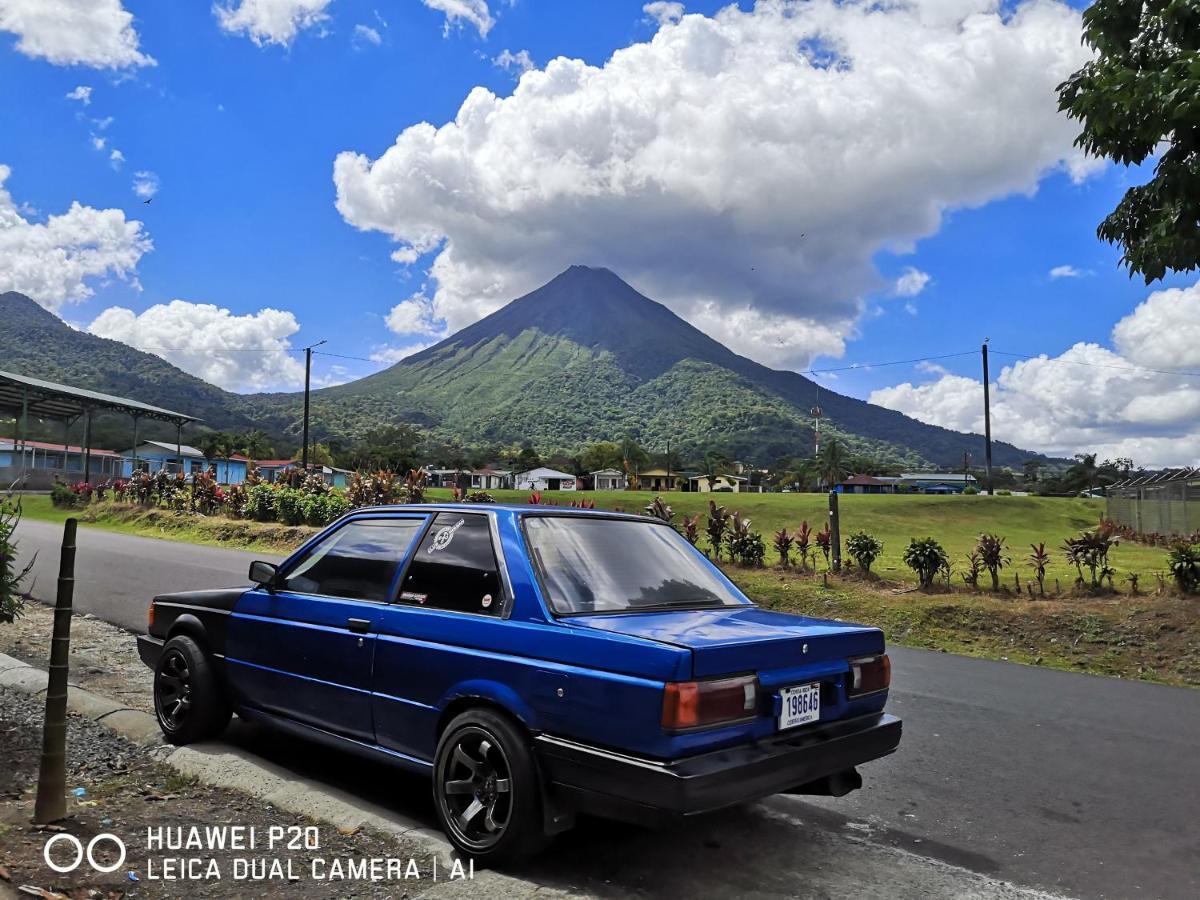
188, 702
486, 789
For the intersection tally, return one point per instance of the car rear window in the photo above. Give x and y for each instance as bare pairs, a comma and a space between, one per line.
596, 565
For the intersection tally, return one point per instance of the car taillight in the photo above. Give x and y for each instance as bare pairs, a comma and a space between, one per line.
698, 704
150, 616
868, 675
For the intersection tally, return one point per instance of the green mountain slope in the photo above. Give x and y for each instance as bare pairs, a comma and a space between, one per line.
583, 358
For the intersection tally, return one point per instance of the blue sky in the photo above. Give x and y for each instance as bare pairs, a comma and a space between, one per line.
241, 137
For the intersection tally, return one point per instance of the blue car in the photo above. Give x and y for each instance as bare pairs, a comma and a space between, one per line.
535, 662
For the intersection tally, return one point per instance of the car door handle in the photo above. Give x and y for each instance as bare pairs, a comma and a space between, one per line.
359, 625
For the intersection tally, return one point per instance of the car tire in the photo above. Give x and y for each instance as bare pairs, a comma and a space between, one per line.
486, 789
188, 701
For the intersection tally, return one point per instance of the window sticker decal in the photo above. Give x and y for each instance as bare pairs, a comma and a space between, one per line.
414, 597
445, 535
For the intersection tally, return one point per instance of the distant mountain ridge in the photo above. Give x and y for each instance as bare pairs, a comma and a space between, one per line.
585, 357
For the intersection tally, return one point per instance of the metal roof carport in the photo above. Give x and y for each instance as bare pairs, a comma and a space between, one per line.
24, 397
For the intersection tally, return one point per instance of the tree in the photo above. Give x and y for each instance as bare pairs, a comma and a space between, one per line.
601, 455
318, 455
713, 464
832, 464
1138, 95
392, 447
1084, 474
255, 444
1030, 469
633, 457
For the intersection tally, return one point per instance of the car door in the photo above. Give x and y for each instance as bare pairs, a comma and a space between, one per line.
304, 647
451, 601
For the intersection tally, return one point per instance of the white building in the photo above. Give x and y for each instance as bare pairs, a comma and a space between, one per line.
543, 479
609, 480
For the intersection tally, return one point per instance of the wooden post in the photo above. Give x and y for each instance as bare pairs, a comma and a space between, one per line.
835, 529
987, 422
51, 803
87, 446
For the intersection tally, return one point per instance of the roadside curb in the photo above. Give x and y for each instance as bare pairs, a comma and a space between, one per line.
220, 765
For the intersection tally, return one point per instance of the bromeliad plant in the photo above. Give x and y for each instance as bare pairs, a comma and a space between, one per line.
864, 549
991, 551
927, 558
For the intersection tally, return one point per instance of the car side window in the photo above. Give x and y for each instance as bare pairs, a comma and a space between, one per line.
358, 561
455, 567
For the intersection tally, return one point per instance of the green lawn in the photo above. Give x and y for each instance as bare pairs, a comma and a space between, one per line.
956, 521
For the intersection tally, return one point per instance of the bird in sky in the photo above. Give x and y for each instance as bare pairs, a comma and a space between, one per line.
148, 200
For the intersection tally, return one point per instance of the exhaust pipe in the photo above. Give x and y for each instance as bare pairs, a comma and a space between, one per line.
839, 784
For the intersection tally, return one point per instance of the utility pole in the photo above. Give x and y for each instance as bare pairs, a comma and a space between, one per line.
987, 420
668, 464
308, 352
966, 467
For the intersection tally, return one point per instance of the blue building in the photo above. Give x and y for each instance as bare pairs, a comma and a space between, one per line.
156, 456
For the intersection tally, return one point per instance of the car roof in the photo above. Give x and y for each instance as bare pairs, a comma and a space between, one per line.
504, 507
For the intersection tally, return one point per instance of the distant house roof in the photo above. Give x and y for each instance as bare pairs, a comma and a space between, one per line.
614, 472
275, 463
545, 473
724, 475
183, 449
654, 473
948, 477
7, 444
868, 479
487, 471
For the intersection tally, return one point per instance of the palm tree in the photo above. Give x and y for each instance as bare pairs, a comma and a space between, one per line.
255, 445
1085, 471
714, 463
831, 464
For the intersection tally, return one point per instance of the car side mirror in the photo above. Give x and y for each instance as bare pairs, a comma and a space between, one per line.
263, 574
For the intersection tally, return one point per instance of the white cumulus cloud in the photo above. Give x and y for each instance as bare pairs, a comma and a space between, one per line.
391, 355
116, 159
53, 261
414, 316
460, 12
911, 282
82, 93
1067, 272
145, 184
238, 353
515, 63
755, 160
664, 12
1089, 398
365, 34
96, 33
270, 21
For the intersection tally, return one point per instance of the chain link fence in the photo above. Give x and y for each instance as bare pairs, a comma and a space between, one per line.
1165, 503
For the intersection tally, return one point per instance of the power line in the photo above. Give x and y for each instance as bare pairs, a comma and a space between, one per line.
895, 362
343, 356
1072, 362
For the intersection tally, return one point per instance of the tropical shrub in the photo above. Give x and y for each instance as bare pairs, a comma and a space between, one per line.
970, 489
315, 483
825, 543
1184, 566
336, 506
582, 504
864, 549
235, 500
744, 546
206, 496
783, 545
691, 528
1039, 559
804, 549
289, 505
974, 569
718, 522
12, 601
992, 556
413, 489
658, 509
926, 557
480, 497
1090, 551
260, 503
62, 496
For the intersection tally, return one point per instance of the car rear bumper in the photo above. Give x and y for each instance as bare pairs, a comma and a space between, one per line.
610, 783
149, 649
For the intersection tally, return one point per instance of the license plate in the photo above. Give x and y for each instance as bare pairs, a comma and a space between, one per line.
801, 704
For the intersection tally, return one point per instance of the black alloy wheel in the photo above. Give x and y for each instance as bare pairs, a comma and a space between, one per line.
476, 786
189, 701
173, 689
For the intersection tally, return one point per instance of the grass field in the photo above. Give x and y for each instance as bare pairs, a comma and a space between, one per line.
956, 521
1151, 635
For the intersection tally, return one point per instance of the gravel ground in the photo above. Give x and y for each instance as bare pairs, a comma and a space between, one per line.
104, 657
125, 792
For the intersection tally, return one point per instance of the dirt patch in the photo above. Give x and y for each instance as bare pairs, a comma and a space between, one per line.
117, 788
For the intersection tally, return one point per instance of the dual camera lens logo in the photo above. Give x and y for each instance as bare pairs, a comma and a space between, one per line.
80, 853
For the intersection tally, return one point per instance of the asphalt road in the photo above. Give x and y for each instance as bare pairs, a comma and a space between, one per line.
1070, 783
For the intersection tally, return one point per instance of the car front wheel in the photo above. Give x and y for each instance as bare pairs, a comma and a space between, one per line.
188, 701
486, 789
